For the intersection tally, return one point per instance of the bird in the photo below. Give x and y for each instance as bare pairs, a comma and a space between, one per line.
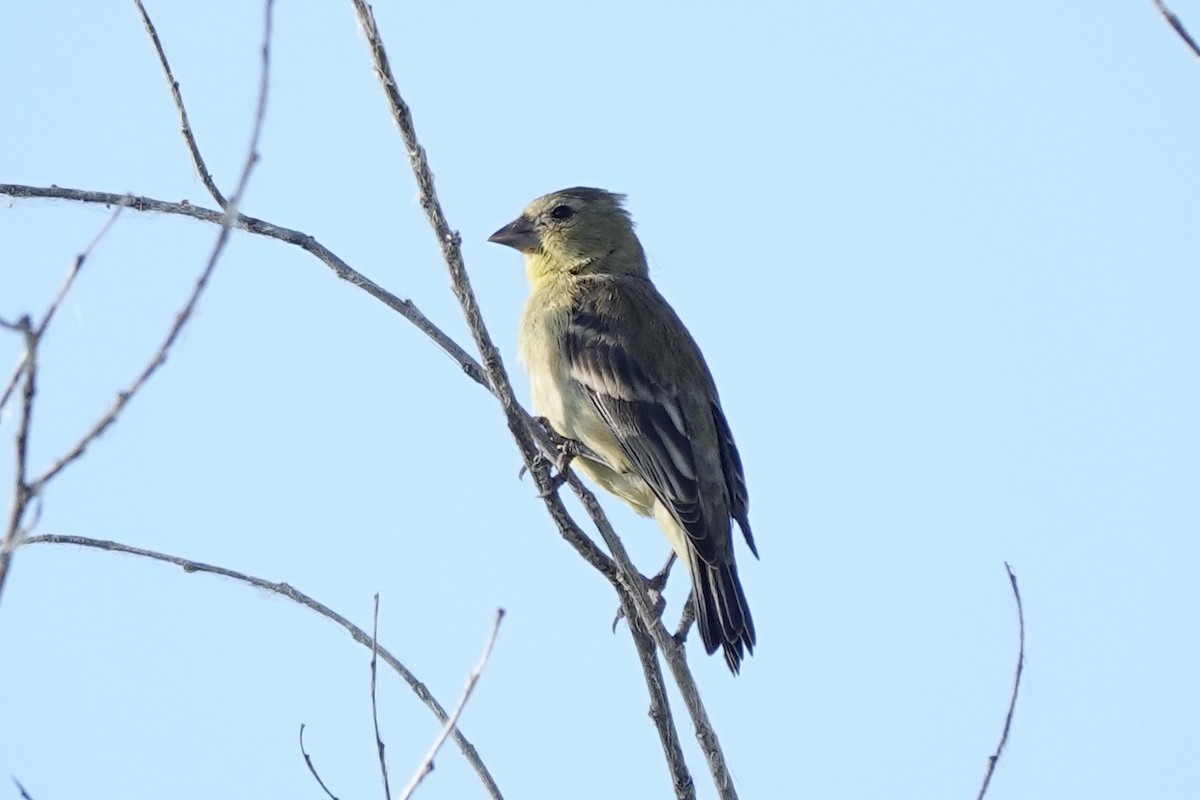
612, 366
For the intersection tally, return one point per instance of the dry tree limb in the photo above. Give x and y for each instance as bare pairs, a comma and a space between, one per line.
1175, 23
627, 580
296, 596
994, 758
426, 766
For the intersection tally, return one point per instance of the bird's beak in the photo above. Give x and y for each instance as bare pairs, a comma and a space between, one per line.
519, 235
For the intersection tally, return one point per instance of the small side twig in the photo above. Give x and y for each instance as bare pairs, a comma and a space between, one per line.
312, 767
67, 283
184, 126
994, 758
379, 746
426, 766
24, 794
1175, 23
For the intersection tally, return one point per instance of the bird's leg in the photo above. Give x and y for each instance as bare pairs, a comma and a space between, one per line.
659, 581
686, 618
567, 449
655, 587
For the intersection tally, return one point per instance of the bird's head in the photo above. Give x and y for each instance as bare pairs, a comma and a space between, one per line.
577, 231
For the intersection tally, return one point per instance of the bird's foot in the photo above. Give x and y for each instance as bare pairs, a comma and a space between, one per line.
655, 587
567, 450
686, 619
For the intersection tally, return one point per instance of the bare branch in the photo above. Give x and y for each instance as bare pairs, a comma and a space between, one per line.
387, 789
1012, 702
184, 126
1175, 23
426, 766
312, 767
296, 596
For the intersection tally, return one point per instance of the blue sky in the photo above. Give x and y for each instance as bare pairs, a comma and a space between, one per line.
942, 259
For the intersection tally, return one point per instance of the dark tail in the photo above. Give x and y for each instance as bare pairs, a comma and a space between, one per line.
721, 611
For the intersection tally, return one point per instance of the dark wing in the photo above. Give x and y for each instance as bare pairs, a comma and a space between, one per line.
735, 478
647, 419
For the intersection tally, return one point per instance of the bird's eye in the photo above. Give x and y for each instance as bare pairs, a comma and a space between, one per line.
562, 212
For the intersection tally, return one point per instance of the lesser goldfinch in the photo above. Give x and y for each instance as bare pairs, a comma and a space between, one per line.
612, 366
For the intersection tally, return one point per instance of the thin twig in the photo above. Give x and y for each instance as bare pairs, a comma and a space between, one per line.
24, 794
1175, 23
67, 283
181, 319
1016, 688
312, 767
426, 766
22, 491
296, 596
660, 705
379, 747
184, 126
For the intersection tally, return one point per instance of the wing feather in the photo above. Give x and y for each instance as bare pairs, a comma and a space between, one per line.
647, 418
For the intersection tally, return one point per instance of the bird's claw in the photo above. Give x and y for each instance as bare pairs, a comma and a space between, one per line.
567, 449
554, 483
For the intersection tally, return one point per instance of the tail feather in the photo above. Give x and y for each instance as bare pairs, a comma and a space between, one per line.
722, 613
